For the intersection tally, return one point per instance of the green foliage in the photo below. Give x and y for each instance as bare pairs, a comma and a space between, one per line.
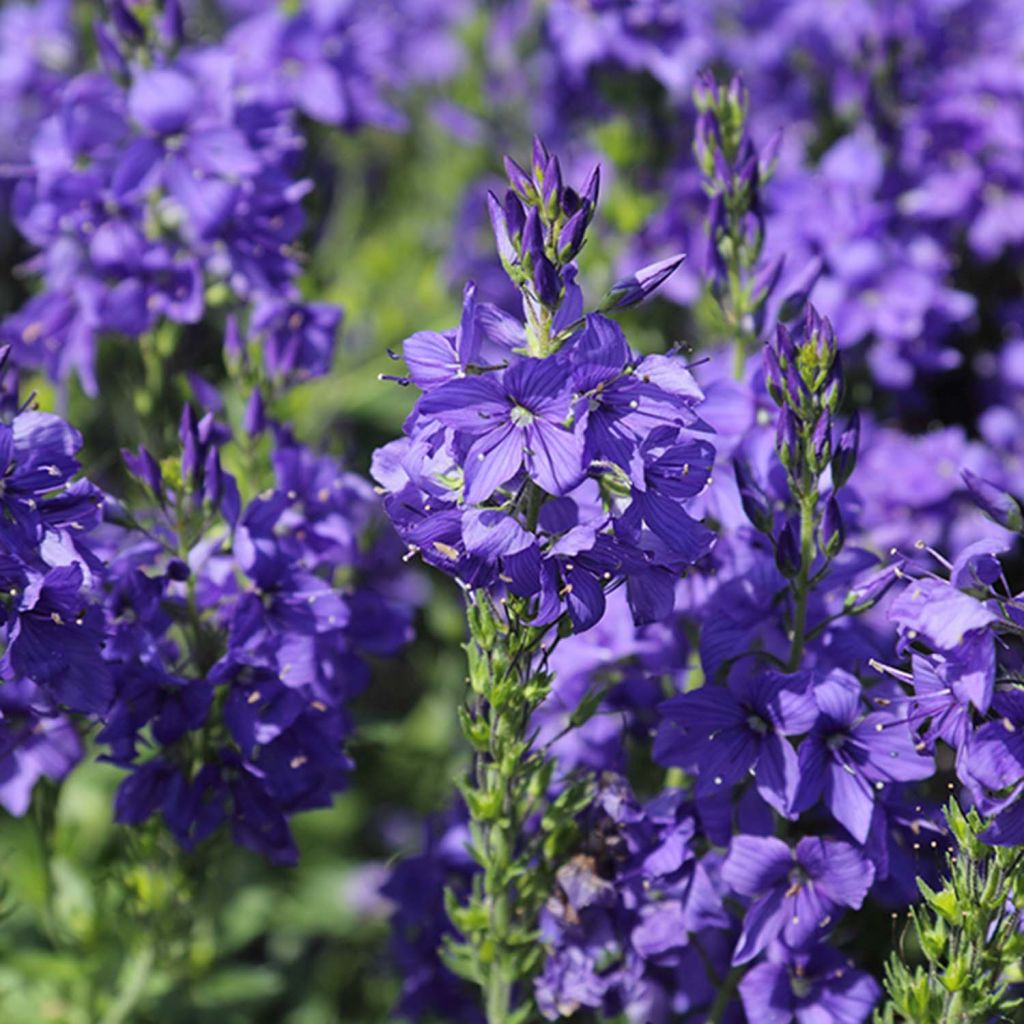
968, 935
498, 948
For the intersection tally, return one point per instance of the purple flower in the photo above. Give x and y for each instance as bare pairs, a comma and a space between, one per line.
580, 448
670, 473
416, 888
513, 419
796, 892
56, 641
993, 761
641, 284
186, 147
938, 613
619, 926
625, 397
263, 685
807, 987
725, 733
297, 339
849, 754
138, 198
34, 744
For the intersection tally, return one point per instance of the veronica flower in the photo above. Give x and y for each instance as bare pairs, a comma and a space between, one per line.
849, 755
627, 397
955, 624
297, 339
808, 987
726, 733
513, 418
796, 892
187, 146
34, 744
37, 459
994, 759
667, 473
56, 639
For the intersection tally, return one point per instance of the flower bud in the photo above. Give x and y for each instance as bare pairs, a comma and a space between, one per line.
591, 188
754, 501
551, 187
832, 534
189, 446
502, 236
547, 282
787, 438
844, 460
821, 442
787, 550
178, 570
515, 215
519, 180
145, 469
994, 502
171, 24
632, 290
254, 419
773, 376
541, 156
532, 238
705, 92
570, 240
783, 346
234, 347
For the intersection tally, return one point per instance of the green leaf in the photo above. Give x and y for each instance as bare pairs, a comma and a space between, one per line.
237, 984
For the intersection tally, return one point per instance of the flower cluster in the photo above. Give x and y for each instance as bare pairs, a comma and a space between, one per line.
238, 637
639, 924
155, 188
37, 52
717, 673
546, 457
898, 178
962, 631
734, 172
52, 629
771, 721
342, 63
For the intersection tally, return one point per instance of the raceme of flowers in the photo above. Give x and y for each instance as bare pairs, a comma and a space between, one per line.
545, 457
237, 643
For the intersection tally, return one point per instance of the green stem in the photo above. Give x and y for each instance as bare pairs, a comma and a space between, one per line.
538, 332
739, 358
497, 920
498, 998
43, 814
134, 977
801, 584
725, 995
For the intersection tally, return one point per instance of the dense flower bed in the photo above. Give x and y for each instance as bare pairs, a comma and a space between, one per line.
722, 673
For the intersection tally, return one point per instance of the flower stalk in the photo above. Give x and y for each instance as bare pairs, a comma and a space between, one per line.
498, 948
968, 934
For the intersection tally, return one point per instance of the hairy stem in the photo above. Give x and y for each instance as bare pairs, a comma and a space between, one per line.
497, 920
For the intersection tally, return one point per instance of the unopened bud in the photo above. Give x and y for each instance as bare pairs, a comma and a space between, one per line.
787, 551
